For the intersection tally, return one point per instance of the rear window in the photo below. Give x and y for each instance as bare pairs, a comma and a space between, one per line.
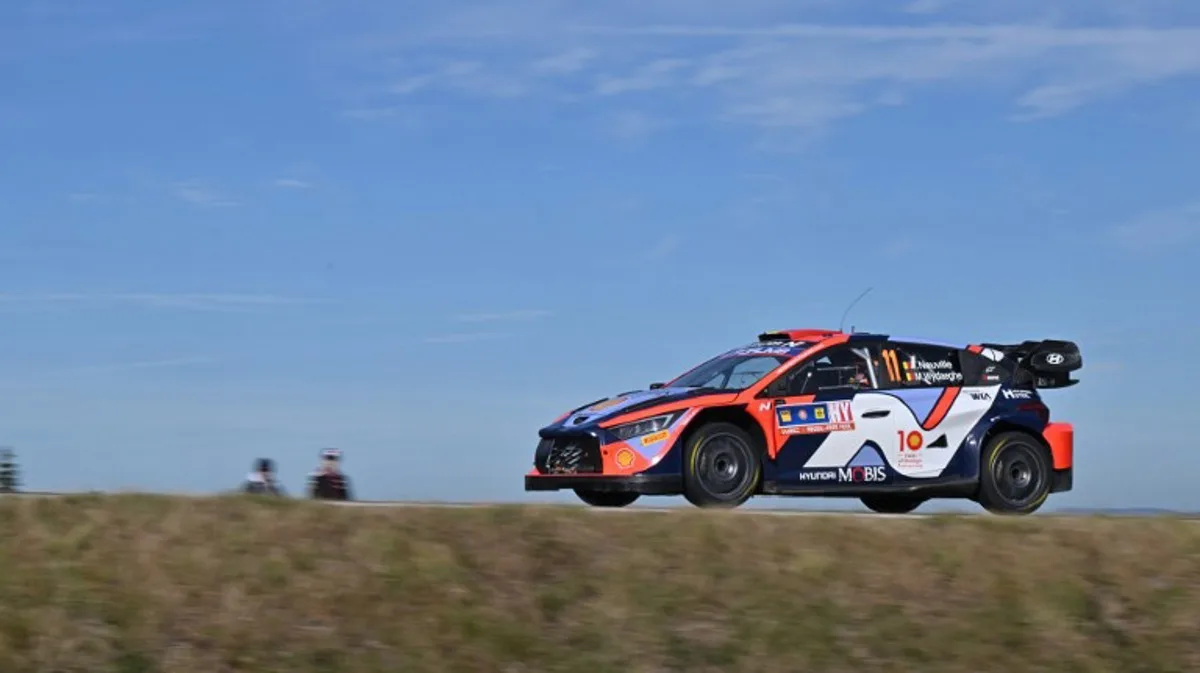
921, 366
981, 371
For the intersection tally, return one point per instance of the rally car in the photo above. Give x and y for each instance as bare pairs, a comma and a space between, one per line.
807, 412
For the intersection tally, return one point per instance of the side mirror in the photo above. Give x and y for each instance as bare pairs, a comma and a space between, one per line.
656, 386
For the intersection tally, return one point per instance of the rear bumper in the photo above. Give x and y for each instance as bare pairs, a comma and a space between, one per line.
644, 484
1062, 480
1061, 439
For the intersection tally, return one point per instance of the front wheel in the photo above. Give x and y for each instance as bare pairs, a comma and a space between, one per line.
1016, 474
891, 504
606, 498
721, 466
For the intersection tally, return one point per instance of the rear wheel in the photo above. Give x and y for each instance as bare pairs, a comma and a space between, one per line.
606, 498
1015, 474
721, 466
892, 504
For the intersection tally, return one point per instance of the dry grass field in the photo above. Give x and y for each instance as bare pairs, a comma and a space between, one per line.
145, 583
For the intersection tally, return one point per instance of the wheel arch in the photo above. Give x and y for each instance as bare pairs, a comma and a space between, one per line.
735, 415
1031, 433
1005, 425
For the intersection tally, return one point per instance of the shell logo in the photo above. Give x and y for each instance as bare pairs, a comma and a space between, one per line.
914, 440
624, 458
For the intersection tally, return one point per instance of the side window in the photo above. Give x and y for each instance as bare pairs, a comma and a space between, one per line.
920, 366
981, 371
840, 368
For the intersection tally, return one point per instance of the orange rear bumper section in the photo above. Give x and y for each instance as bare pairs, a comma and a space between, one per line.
1061, 438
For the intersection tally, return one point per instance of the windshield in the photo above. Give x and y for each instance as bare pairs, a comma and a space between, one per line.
731, 372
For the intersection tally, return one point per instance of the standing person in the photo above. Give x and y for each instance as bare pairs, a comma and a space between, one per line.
262, 479
328, 482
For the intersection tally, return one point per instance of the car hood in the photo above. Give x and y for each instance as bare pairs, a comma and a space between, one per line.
634, 401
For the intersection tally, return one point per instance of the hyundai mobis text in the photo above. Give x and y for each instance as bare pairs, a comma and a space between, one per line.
891, 421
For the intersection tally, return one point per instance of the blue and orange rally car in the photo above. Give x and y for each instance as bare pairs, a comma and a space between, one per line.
892, 421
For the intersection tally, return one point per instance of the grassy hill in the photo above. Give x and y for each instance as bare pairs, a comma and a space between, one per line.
142, 583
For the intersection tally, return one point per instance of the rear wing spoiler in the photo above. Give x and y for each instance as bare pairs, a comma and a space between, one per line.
1047, 363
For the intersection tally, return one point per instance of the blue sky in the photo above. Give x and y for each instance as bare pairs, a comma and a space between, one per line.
420, 231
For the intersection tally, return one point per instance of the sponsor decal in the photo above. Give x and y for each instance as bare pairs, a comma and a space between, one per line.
978, 395
624, 458
862, 474
992, 354
655, 437
925, 371
1017, 394
913, 369
893, 365
911, 443
606, 404
858, 474
775, 348
807, 419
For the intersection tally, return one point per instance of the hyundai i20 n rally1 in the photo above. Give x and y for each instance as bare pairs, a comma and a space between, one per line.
891, 421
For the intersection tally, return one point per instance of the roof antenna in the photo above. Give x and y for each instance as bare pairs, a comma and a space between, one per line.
843, 322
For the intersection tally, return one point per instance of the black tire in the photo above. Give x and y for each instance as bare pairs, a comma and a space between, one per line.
887, 503
606, 498
1015, 474
721, 466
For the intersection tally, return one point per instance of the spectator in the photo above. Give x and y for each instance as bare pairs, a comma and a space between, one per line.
262, 479
328, 482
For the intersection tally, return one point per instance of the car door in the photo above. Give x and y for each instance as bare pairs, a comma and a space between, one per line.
821, 418
931, 411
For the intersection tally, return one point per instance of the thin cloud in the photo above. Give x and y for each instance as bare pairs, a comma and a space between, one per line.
464, 337
292, 183
631, 125
563, 63
403, 116
146, 364
197, 193
189, 302
504, 316
663, 248
928, 6
756, 67
369, 113
1159, 230
44, 28
902, 247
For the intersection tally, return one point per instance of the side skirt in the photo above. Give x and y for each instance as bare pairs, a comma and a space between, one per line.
958, 488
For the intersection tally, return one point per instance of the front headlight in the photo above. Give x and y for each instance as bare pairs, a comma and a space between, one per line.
645, 426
